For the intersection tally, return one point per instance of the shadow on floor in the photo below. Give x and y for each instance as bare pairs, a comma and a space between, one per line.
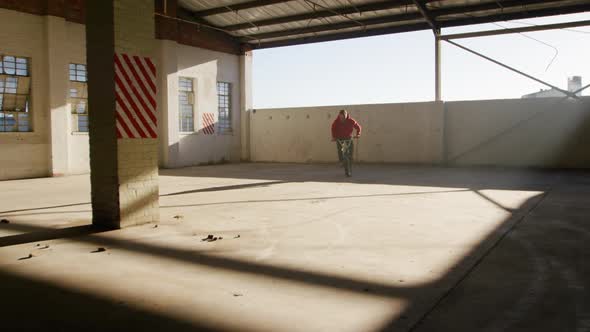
424, 299
224, 188
411, 175
35, 305
456, 287
10, 213
36, 234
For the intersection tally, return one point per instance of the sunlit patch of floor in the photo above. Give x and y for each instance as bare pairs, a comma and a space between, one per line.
297, 247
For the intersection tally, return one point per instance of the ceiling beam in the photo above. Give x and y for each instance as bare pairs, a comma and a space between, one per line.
186, 14
335, 26
421, 5
532, 13
375, 6
237, 7
507, 4
380, 20
378, 6
343, 35
533, 28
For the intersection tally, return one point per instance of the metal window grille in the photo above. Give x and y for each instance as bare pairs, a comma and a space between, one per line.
186, 102
78, 97
78, 73
224, 107
15, 86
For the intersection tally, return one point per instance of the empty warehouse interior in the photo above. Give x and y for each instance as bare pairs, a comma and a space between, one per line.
140, 189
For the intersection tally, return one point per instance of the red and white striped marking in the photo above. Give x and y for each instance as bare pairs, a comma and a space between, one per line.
209, 123
135, 90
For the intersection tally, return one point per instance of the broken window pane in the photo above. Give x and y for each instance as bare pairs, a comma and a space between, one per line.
22, 68
10, 85
14, 94
9, 63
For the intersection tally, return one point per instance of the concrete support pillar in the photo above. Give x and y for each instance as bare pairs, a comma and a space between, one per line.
245, 103
57, 82
437, 67
122, 110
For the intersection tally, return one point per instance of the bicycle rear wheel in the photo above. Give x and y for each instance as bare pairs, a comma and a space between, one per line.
347, 166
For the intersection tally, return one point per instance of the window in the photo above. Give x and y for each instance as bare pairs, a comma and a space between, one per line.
78, 73
15, 88
78, 97
224, 104
186, 102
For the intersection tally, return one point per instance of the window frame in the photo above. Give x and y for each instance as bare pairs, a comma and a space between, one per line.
74, 73
18, 81
190, 97
224, 106
78, 95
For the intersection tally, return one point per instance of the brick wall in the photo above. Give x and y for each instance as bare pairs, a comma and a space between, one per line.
71, 10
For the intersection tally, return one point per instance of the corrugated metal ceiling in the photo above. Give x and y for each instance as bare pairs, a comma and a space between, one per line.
271, 22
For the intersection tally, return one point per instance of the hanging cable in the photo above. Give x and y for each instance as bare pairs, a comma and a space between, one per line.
523, 35
355, 7
240, 17
314, 10
539, 41
335, 12
204, 25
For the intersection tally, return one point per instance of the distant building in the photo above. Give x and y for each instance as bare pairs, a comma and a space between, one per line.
574, 83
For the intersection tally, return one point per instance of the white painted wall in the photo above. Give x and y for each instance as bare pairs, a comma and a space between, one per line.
24, 155
54, 149
79, 154
392, 133
206, 68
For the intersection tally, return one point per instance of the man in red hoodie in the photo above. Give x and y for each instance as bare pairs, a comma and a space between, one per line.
342, 128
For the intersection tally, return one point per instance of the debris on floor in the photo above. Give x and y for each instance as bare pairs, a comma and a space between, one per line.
155, 226
211, 238
178, 217
26, 257
99, 250
5, 221
237, 236
43, 247
238, 294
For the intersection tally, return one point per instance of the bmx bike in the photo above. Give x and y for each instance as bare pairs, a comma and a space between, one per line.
345, 145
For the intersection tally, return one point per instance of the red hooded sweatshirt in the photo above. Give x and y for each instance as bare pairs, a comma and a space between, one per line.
343, 129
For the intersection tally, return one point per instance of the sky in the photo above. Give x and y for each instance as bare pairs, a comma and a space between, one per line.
400, 67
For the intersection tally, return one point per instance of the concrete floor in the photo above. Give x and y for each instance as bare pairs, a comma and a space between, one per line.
305, 249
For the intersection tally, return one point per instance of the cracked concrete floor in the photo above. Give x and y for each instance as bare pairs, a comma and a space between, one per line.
304, 249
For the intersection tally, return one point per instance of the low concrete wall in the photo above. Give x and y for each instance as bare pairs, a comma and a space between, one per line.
392, 133
548, 132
